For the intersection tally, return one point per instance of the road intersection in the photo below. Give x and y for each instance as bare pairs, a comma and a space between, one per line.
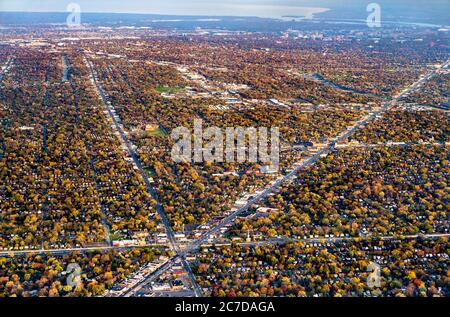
308, 162
206, 239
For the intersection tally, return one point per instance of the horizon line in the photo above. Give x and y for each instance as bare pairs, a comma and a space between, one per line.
149, 13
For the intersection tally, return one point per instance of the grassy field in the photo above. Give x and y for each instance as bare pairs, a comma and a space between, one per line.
158, 132
169, 90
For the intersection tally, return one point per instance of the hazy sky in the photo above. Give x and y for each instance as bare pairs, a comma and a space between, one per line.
262, 8
176, 7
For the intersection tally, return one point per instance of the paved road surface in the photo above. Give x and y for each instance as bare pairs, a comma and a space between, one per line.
169, 231
306, 164
69, 250
324, 239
